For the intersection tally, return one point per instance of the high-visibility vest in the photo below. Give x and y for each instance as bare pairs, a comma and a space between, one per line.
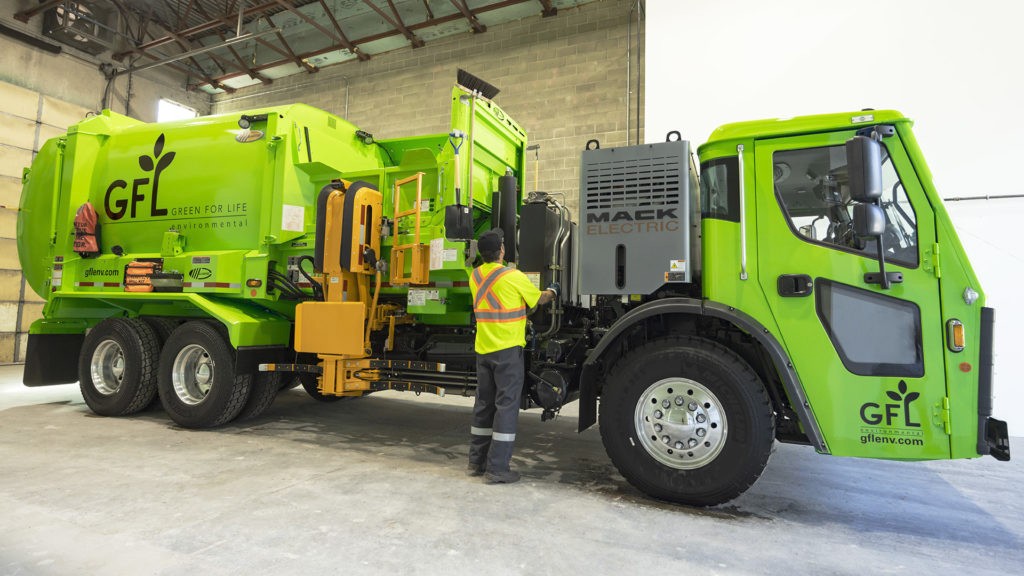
502, 297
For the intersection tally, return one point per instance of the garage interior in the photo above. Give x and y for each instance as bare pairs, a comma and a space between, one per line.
377, 484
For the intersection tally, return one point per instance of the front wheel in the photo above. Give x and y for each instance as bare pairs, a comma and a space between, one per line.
198, 384
686, 420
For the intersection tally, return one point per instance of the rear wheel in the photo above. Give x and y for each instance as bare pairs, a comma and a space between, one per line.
310, 384
163, 328
117, 367
687, 420
198, 384
264, 389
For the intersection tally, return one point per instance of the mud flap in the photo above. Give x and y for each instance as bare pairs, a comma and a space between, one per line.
52, 359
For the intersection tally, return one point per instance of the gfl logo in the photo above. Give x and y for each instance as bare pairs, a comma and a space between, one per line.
155, 164
874, 414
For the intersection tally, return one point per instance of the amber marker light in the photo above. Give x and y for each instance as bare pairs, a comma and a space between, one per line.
955, 335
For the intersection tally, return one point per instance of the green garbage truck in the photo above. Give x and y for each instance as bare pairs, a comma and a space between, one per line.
803, 283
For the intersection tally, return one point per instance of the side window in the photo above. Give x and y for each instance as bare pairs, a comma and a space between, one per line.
875, 335
812, 186
719, 189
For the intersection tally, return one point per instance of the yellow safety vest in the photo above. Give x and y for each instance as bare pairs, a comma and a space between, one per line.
502, 297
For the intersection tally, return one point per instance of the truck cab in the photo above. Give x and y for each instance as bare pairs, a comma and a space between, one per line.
898, 368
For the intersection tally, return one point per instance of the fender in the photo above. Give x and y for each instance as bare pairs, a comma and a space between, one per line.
781, 361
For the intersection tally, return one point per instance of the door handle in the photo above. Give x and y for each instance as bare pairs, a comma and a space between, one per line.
795, 285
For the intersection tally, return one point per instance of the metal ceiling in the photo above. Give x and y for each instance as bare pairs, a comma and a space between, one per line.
223, 45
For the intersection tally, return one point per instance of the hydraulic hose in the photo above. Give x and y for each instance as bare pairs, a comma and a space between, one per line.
556, 262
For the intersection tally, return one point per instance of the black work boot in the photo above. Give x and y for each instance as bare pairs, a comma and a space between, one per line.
506, 477
475, 469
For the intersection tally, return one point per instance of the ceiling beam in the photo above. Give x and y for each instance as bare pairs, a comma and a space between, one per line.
238, 58
198, 29
26, 15
200, 72
335, 39
290, 54
413, 39
478, 28
183, 19
341, 35
426, 24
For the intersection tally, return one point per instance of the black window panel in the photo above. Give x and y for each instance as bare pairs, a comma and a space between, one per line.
720, 189
875, 335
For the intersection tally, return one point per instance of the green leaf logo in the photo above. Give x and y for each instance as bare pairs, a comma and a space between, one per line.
146, 162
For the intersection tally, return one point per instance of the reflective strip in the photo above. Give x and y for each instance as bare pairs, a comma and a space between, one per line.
478, 280
502, 437
492, 300
509, 316
484, 289
480, 431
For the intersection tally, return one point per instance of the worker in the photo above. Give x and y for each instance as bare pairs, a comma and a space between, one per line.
502, 298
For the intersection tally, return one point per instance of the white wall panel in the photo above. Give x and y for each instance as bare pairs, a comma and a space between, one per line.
952, 67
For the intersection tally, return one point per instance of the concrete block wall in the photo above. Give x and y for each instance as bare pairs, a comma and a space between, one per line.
563, 78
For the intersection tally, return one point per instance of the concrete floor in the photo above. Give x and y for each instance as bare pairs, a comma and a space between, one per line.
376, 486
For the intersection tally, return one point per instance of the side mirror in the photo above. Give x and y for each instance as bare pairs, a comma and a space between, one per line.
868, 220
864, 162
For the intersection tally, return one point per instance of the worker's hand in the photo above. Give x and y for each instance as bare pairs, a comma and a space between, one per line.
556, 288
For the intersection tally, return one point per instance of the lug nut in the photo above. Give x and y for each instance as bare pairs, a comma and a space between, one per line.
692, 406
701, 418
701, 432
666, 404
679, 401
679, 445
693, 442
658, 414
657, 427
666, 439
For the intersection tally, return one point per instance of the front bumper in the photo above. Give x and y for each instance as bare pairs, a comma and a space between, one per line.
997, 440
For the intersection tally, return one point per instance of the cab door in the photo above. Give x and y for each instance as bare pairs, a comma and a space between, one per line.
870, 359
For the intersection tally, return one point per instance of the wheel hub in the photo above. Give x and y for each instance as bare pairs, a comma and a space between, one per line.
107, 367
680, 423
192, 374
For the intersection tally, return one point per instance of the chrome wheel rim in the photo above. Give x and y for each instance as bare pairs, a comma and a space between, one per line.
681, 423
192, 374
107, 367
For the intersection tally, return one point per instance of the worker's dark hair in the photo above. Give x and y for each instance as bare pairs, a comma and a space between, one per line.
489, 244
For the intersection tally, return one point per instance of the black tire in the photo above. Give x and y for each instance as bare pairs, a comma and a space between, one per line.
197, 381
651, 444
163, 328
264, 389
309, 384
290, 380
117, 367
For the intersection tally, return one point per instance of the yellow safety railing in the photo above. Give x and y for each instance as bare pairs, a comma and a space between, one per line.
415, 254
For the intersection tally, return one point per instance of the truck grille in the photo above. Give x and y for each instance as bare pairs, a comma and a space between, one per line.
633, 182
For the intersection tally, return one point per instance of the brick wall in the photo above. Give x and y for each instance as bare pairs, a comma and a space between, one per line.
563, 78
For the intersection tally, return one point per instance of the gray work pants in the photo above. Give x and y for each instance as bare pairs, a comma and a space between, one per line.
496, 411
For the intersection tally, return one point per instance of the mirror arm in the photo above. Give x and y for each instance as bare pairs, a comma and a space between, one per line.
883, 277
